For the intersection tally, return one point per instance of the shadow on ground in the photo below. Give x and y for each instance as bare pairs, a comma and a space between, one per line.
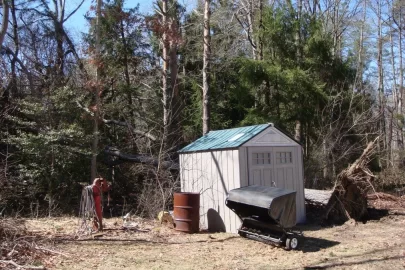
143, 241
337, 261
312, 244
376, 214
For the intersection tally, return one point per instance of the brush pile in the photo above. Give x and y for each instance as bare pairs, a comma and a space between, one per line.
393, 204
18, 249
349, 198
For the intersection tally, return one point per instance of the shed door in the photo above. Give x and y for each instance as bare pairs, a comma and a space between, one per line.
272, 166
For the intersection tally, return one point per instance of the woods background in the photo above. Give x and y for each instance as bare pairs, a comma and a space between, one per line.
121, 100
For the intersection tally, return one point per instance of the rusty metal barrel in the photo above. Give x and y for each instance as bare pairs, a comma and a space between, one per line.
187, 212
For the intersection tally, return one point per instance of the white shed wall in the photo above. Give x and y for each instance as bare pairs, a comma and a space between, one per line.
273, 140
271, 136
212, 174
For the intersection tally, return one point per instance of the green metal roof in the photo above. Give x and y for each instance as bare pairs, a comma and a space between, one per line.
222, 139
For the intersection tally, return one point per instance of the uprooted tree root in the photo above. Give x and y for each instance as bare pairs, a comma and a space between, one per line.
20, 249
349, 198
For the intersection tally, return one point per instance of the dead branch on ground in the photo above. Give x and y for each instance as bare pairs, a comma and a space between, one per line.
19, 248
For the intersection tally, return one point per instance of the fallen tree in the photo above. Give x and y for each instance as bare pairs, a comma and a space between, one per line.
116, 157
349, 197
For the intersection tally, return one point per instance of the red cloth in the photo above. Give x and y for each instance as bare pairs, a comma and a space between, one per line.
99, 186
97, 201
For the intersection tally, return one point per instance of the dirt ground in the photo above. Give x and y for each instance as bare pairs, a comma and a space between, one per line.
378, 244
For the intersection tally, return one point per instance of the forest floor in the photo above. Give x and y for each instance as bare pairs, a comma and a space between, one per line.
377, 244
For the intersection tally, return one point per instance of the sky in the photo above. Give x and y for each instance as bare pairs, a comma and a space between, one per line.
77, 24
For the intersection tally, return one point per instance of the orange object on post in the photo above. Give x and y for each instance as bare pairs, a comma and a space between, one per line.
100, 185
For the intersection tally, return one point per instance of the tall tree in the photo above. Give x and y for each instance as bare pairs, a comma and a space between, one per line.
206, 68
397, 16
380, 83
97, 92
358, 83
166, 28
165, 70
4, 22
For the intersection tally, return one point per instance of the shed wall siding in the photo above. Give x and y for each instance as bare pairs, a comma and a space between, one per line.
243, 163
212, 174
281, 175
301, 194
271, 136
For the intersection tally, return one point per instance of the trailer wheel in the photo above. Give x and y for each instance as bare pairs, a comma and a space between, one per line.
291, 243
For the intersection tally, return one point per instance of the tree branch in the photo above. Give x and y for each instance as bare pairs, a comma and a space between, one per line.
119, 123
74, 11
140, 158
23, 67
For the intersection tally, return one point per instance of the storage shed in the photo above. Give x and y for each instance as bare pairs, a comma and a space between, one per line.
227, 159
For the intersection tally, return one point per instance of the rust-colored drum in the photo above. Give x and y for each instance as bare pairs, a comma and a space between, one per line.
187, 212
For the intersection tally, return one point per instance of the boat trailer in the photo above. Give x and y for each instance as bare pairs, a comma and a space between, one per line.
268, 214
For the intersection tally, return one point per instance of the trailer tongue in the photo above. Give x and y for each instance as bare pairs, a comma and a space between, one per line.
268, 214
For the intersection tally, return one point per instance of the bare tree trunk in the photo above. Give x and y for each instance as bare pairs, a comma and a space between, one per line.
58, 21
297, 135
358, 82
380, 88
11, 89
397, 91
315, 3
174, 102
97, 93
299, 56
246, 10
298, 33
400, 142
126, 69
250, 18
206, 60
60, 54
394, 131
336, 19
325, 159
261, 28
165, 85
174, 73
4, 22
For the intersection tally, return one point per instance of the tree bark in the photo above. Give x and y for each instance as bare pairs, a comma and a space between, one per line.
400, 142
165, 85
298, 33
174, 131
261, 28
297, 136
4, 23
97, 92
394, 128
11, 89
126, 64
380, 84
358, 82
206, 63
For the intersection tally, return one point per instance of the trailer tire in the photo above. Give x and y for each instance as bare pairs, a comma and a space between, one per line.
291, 243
